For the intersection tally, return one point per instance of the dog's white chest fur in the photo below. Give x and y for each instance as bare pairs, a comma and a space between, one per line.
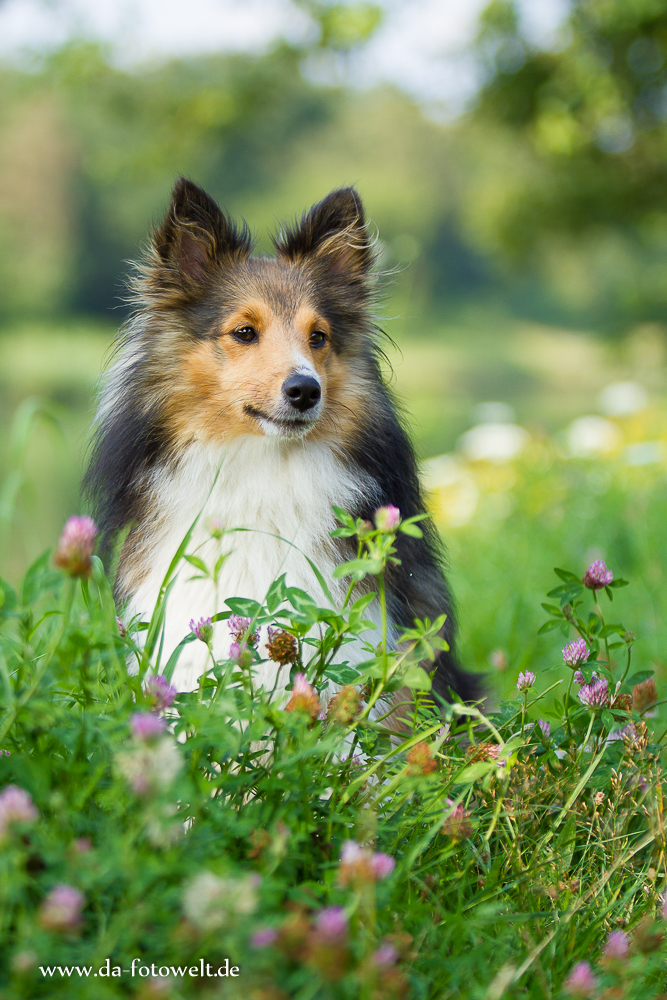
273, 488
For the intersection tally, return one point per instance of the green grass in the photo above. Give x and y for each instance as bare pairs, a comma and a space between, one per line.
515, 853
540, 871
442, 370
530, 515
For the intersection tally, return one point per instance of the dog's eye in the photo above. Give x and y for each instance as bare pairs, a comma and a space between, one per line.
317, 338
245, 334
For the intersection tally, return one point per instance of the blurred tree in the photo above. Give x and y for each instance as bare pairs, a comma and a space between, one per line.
89, 152
342, 26
36, 260
580, 135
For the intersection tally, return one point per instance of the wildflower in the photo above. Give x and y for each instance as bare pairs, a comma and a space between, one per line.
443, 732
387, 518
75, 547
597, 576
628, 732
359, 866
352, 856
498, 659
304, 698
240, 654
331, 923
282, 646
457, 823
16, 806
383, 865
211, 902
240, 629
263, 938
61, 910
150, 766
326, 943
644, 695
663, 908
122, 631
595, 695
545, 727
366, 528
260, 840
486, 751
147, 727
420, 760
275, 843
385, 956
82, 845
581, 981
617, 945
203, 629
215, 527
159, 693
525, 680
345, 706
580, 679
24, 961
575, 653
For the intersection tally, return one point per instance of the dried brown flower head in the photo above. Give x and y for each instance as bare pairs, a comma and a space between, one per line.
420, 759
644, 695
345, 706
282, 646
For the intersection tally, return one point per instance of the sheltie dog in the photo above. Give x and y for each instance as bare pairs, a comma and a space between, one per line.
248, 389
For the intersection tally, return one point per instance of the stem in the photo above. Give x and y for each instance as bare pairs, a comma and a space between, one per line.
625, 672
523, 711
383, 607
587, 736
348, 595
203, 677
606, 641
567, 711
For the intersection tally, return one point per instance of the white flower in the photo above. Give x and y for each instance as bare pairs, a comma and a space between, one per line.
590, 436
452, 488
622, 398
149, 767
494, 442
211, 902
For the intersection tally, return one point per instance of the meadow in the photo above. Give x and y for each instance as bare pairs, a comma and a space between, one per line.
486, 854
220, 845
506, 521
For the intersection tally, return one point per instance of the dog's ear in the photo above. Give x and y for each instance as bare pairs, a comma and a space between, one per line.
334, 234
194, 240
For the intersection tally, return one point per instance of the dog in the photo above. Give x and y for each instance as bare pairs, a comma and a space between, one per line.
248, 389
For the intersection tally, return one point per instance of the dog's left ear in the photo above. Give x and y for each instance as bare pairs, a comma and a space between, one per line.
333, 234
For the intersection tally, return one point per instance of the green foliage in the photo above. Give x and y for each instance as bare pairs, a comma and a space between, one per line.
587, 119
222, 832
106, 145
343, 25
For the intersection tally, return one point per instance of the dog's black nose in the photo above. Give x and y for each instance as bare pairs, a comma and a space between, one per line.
303, 391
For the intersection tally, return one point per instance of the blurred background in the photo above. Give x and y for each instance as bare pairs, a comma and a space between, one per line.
513, 158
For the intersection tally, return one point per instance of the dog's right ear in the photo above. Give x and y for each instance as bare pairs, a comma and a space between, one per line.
194, 241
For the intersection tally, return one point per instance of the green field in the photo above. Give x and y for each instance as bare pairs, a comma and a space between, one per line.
506, 524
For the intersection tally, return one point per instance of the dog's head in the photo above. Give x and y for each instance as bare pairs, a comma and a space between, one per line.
281, 346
